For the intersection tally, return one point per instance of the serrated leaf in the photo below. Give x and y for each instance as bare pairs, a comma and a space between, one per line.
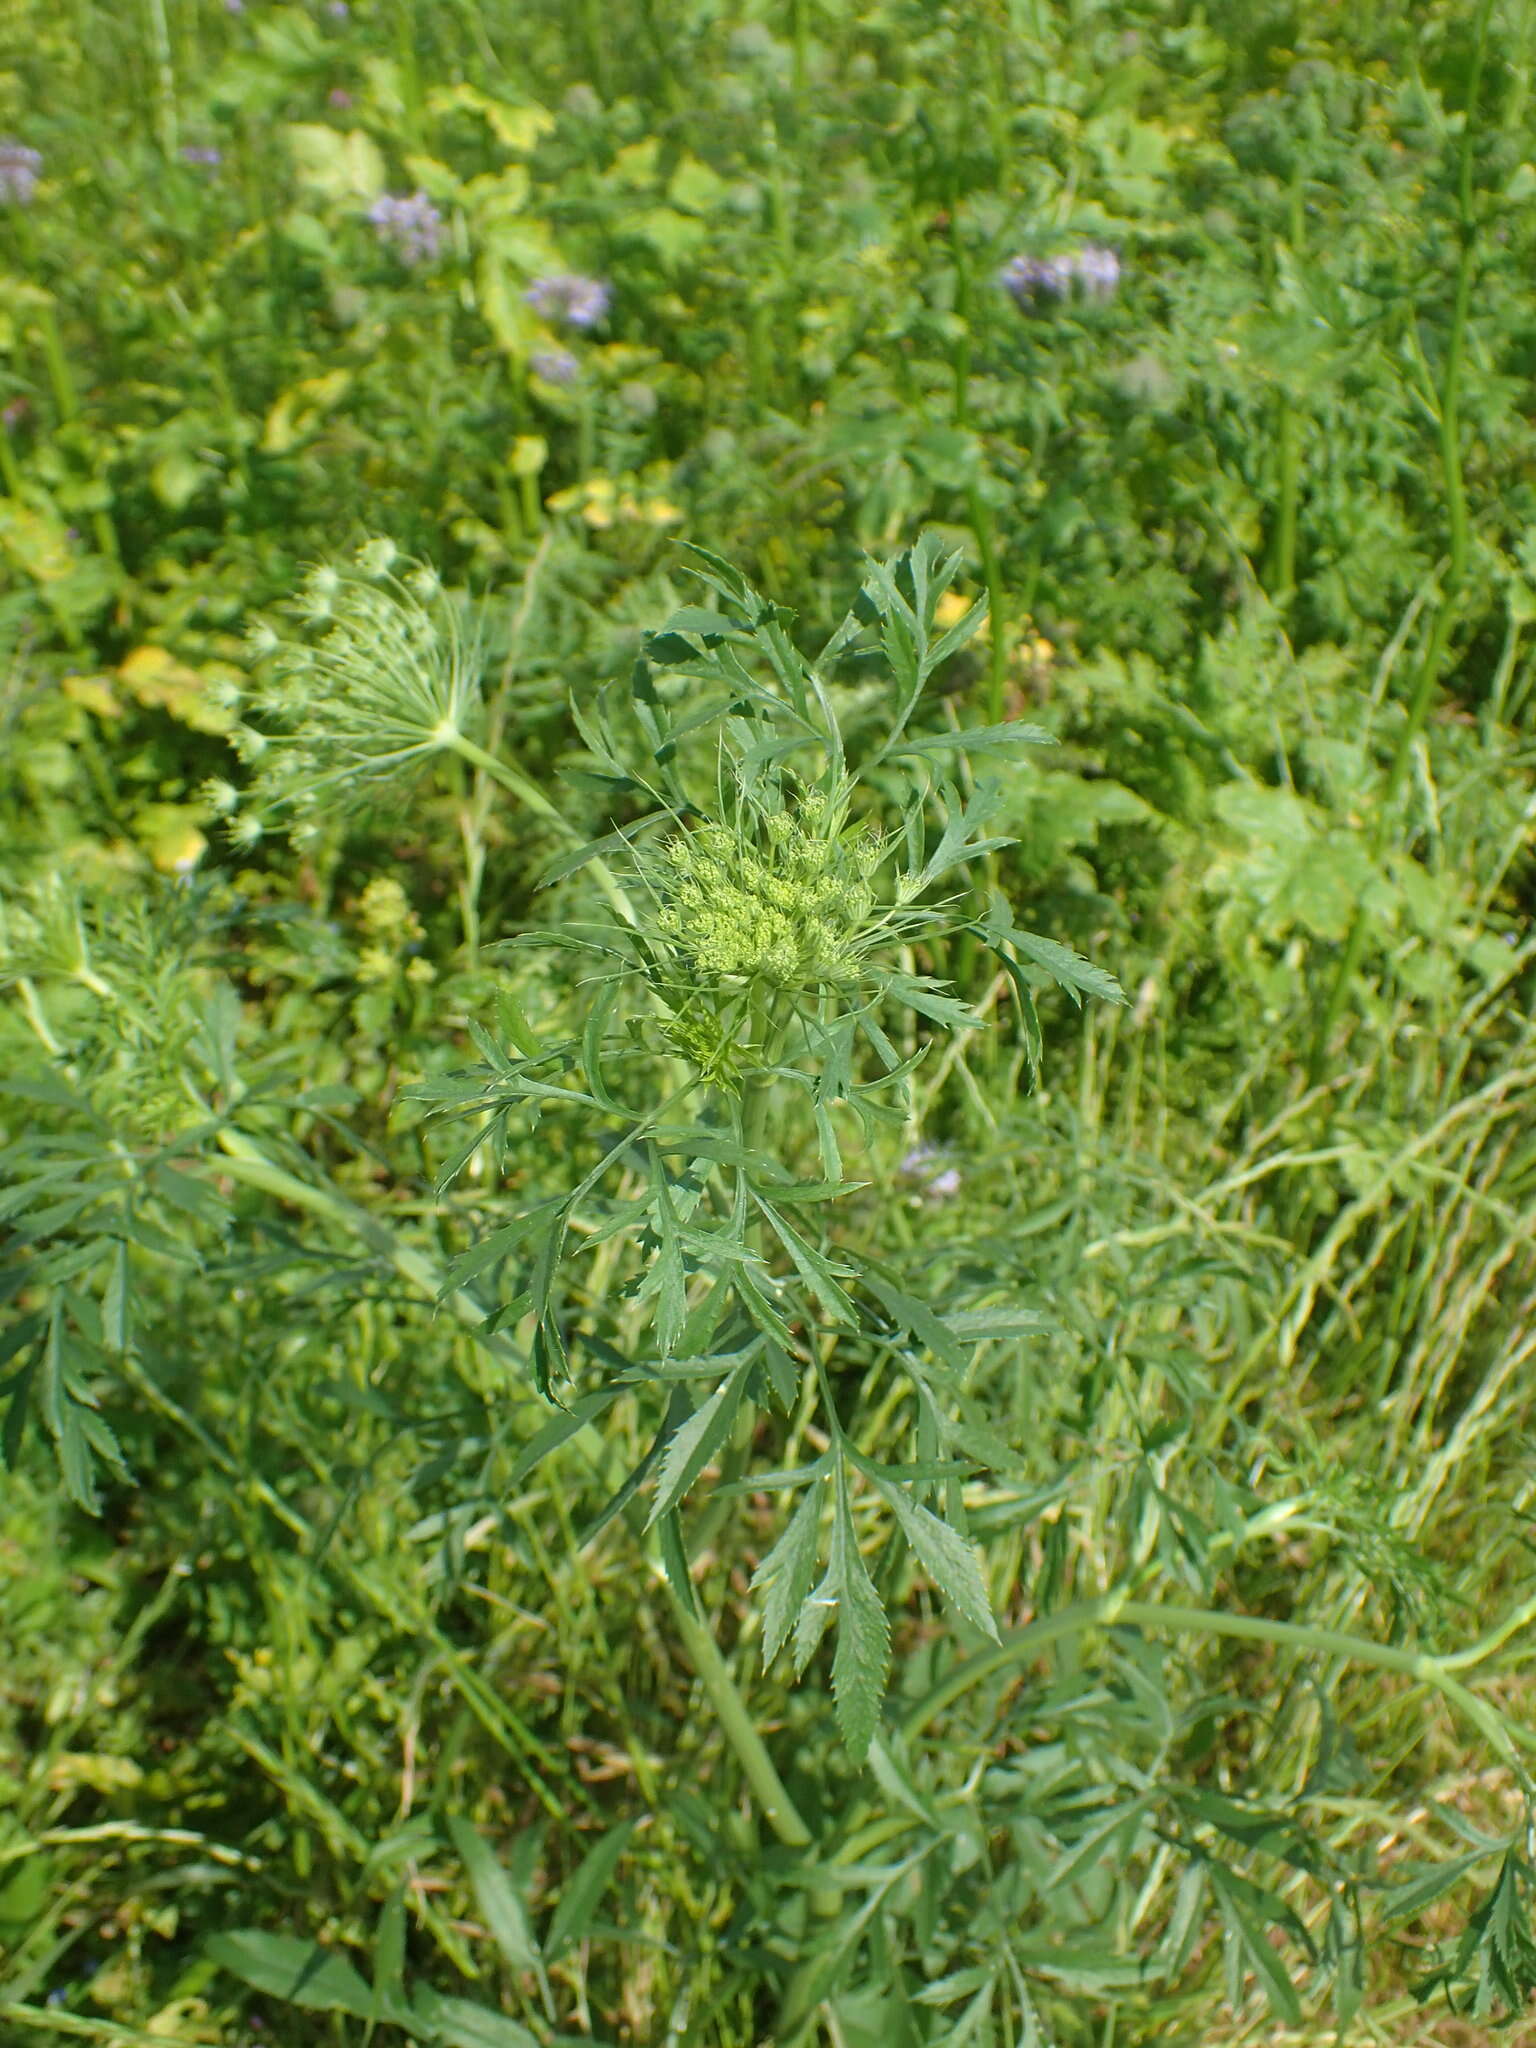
976, 739
785, 1575
812, 1264
959, 843
911, 1315
945, 1556
931, 998
696, 1442
495, 1246
862, 1658
1403, 1901
1069, 970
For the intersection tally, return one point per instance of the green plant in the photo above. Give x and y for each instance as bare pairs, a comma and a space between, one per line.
777, 922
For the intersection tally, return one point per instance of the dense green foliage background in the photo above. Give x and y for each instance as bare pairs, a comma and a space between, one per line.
303, 1641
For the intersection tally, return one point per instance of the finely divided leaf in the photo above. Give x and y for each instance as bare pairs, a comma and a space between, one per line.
1079, 977
976, 739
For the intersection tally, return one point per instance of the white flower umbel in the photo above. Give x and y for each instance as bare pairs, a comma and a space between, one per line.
373, 675
378, 676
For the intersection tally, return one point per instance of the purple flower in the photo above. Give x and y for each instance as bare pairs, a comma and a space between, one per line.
1098, 271
338, 96
555, 365
1093, 271
338, 10
202, 153
1029, 278
568, 296
234, 6
412, 227
19, 171
919, 1164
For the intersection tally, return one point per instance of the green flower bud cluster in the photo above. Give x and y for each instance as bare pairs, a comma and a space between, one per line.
789, 905
392, 927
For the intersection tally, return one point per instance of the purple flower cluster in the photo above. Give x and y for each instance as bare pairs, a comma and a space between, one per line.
1091, 271
203, 154
567, 296
20, 168
555, 365
919, 1164
412, 227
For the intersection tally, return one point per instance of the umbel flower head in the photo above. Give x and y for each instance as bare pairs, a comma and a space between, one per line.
376, 675
782, 896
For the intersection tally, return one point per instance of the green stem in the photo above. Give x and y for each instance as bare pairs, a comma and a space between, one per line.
997, 620
67, 400
529, 793
596, 46
1282, 553
1449, 438
79, 2027
1114, 1611
165, 76
245, 1161
37, 1016
779, 1809
10, 469
979, 511
799, 42
766, 1030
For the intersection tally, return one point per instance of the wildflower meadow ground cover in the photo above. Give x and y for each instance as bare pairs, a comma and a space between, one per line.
767, 1189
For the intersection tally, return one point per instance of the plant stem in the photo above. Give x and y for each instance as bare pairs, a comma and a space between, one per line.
779, 1809
1507, 1737
997, 614
1282, 552
245, 1161
1449, 437
165, 75
529, 793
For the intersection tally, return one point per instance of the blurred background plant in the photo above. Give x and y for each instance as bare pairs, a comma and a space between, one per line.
1206, 339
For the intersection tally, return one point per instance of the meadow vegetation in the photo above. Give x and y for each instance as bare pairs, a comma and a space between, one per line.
767, 1192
